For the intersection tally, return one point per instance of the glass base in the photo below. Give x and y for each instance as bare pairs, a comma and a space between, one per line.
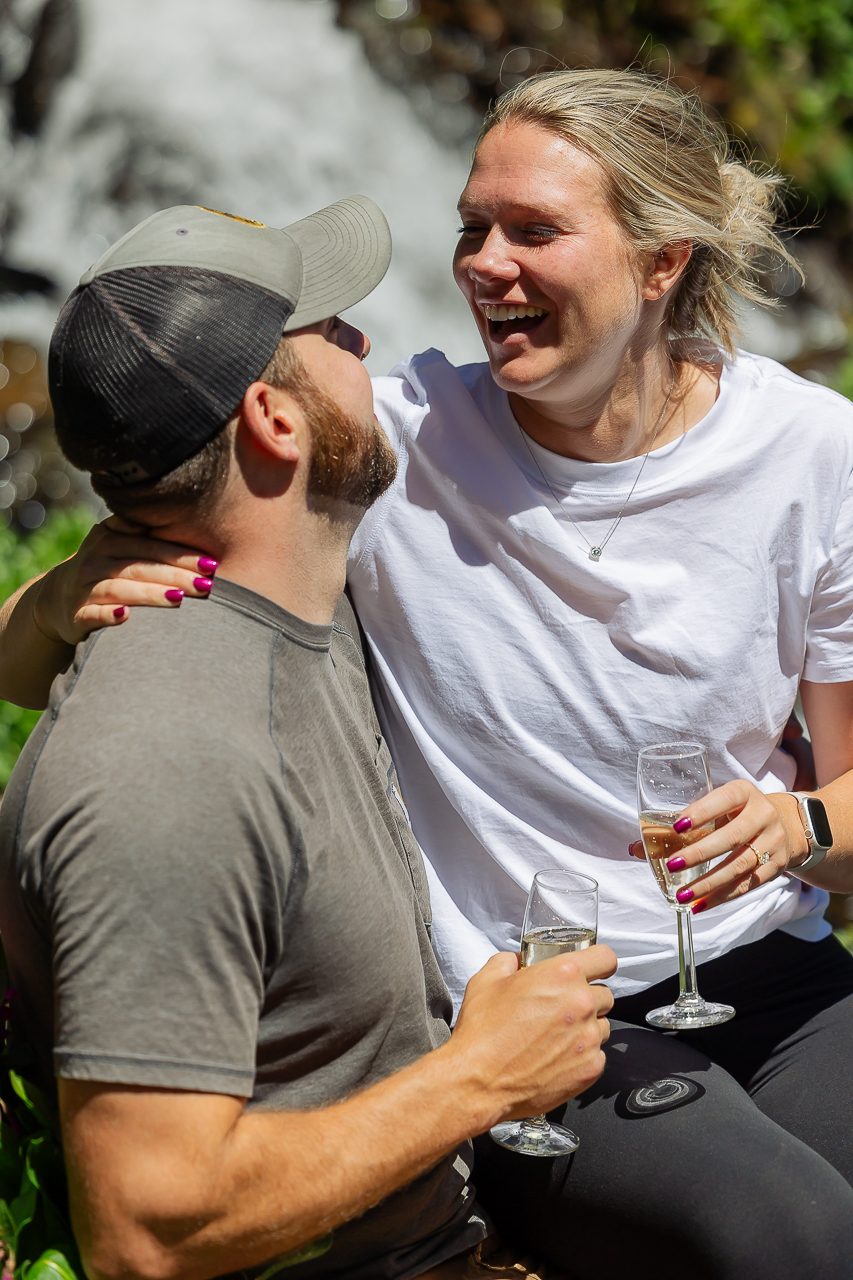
687, 1014
535, 1138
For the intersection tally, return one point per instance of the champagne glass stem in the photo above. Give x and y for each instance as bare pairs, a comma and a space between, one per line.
688, 990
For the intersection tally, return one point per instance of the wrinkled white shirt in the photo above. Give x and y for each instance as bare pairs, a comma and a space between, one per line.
517, 679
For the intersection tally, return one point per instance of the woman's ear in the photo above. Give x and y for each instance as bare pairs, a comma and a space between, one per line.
664, 268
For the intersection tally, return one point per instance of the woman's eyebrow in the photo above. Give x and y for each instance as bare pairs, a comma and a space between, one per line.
540, 210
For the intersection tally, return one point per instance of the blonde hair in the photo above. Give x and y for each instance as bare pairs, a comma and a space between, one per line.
670, 177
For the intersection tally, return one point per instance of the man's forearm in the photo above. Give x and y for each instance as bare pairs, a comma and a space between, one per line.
275, 1182
29, 660
177, 1186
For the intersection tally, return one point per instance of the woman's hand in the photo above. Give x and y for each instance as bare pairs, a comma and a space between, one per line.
115, 568
749, 824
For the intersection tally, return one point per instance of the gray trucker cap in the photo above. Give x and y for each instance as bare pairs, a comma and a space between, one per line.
155, 348
320, 265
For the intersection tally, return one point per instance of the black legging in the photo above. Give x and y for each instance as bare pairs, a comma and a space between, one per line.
750, 1178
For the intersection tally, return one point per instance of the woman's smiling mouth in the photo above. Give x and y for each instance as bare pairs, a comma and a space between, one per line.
506, 318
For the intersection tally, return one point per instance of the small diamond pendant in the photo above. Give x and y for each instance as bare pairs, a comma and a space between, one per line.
595, 553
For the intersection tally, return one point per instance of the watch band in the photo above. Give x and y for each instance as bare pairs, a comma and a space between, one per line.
817, 851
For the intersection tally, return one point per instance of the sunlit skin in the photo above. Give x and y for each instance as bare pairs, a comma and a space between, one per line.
327, 350
589, 379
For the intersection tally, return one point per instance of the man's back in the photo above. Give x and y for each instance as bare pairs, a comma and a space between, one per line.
208, 883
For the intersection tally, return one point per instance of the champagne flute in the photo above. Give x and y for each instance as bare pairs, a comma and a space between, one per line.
670, 776
561, 915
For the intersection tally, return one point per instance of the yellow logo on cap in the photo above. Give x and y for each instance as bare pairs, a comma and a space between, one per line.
235, 217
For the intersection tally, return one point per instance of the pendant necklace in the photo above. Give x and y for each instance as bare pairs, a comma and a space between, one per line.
595, 551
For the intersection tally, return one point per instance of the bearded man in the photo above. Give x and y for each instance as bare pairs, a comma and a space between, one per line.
213, 908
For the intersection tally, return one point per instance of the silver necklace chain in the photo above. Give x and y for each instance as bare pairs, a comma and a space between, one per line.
595, 551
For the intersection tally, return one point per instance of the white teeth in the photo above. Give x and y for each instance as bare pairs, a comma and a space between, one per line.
511, 313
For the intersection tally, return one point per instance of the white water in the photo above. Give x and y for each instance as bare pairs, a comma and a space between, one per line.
260, 107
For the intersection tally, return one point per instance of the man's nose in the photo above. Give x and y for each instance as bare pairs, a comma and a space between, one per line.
492, 260
352, 339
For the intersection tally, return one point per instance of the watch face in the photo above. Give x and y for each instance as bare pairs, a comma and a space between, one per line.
819, 822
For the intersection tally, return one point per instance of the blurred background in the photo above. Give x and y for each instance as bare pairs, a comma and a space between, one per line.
111, 109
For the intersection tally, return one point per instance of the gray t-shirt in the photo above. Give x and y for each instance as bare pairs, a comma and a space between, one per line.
208, 882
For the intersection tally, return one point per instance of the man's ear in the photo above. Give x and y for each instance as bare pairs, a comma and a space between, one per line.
275, 422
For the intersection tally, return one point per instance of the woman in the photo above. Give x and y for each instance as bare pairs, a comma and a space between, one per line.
620, 531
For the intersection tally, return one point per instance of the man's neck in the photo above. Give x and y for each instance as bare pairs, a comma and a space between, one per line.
299, 564
307, 581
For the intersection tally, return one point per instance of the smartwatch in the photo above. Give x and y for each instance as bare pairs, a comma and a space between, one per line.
817, 829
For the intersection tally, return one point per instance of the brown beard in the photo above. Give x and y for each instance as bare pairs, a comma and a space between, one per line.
350, 462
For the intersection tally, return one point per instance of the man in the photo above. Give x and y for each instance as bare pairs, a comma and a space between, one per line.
212, 906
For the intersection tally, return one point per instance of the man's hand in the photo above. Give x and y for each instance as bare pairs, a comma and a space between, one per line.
529, 1039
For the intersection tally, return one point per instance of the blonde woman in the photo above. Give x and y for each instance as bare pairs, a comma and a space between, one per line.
618, 531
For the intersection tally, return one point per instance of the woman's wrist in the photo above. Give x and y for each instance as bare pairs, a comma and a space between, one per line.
785, 805
788, 810
43, 606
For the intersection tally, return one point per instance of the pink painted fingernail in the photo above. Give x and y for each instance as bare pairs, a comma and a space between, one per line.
174, 595
206, 565
203, 584
631, 849
676, 864
701, 905
684, 895
682, 825
119, 612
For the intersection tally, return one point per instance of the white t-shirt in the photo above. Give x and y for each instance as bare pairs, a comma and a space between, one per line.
518, 679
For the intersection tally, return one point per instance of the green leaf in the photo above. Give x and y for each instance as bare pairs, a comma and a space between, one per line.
35, 1101
8, 1230
52, 1265
43, 1165
17, 1216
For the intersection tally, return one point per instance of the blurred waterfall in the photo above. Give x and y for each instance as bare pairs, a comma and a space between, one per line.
260, 107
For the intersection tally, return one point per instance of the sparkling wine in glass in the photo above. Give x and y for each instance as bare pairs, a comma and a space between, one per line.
561, 915
670, 776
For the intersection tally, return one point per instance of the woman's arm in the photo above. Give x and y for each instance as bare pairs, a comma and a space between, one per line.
114, 568
750, 822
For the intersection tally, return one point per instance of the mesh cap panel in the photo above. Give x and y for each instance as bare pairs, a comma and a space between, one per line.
148, 364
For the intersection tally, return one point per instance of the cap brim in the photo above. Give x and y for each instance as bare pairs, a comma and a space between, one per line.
346, 249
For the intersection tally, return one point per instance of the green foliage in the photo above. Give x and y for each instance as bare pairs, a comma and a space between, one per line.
23, 557
780, 72
36, 1239
843, 377
790, 72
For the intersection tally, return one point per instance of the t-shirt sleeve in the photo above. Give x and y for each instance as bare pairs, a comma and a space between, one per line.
164, 907
829, 643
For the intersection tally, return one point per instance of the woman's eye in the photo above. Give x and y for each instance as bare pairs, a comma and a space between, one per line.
540, 233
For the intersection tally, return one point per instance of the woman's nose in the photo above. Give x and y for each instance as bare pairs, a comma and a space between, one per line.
492, 261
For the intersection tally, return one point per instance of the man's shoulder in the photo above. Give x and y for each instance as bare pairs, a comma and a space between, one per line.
164, 666
168, 698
